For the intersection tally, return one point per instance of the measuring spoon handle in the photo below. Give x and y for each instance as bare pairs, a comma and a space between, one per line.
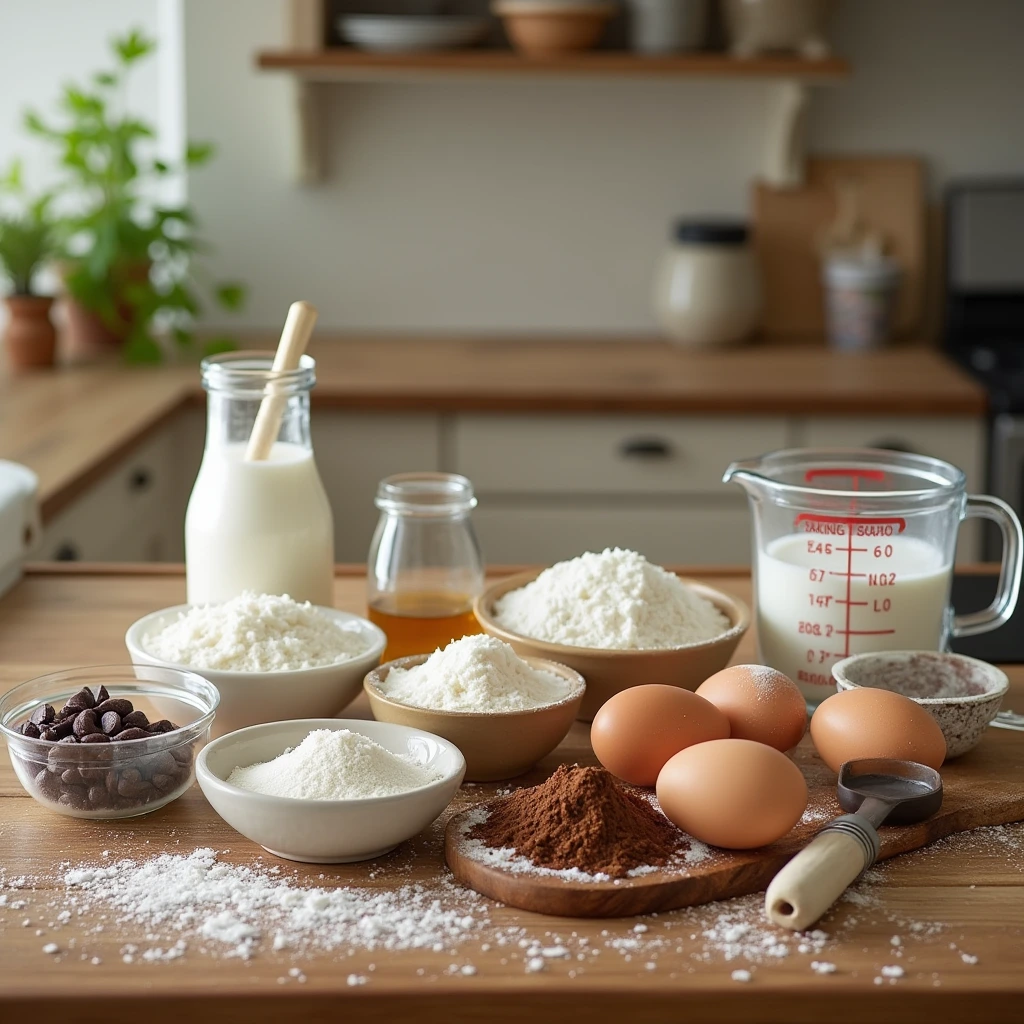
817, 876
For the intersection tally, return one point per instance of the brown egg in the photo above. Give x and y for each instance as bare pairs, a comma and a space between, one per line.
866, 722
733, 793
639, 729
761, 704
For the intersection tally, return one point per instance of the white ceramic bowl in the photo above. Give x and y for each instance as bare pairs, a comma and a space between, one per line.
962, 694
250, 698
397, 33
327, 831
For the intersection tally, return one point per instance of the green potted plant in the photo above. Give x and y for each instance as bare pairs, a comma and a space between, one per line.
127, 258
27, 241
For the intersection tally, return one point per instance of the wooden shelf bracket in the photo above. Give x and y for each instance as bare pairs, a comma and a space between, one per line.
309, 144
786, 139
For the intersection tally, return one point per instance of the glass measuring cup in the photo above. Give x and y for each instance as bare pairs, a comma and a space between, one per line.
853, 552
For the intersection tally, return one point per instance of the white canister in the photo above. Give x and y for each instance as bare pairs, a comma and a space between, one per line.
708, 287
860, 300
667, 26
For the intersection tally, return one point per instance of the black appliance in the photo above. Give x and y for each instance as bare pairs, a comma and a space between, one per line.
984, 332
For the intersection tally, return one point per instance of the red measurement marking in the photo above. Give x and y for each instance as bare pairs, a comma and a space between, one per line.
863, 632
856, 475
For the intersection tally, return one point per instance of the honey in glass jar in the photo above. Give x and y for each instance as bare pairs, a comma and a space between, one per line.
425, 567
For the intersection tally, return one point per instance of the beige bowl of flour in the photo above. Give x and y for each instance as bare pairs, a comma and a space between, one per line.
497, 744
609, 671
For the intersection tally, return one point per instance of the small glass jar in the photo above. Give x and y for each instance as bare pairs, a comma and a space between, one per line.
708, 286
425, 567
264, 526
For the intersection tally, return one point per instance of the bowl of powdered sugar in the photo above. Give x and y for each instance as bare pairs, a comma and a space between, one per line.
502, 711
329, 791
270, 657
618, 620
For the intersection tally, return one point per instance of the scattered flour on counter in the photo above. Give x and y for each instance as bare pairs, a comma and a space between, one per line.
334, 764
254, 633
476, 673
615, 600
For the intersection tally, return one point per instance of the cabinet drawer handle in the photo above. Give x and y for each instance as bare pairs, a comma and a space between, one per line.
646, 448
66, 552
140, 480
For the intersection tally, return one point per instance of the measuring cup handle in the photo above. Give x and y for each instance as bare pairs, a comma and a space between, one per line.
983, 506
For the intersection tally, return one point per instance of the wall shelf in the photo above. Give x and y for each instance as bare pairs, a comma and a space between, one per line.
346, 64
316, 69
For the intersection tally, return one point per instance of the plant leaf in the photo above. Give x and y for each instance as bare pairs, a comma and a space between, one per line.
197, 153
133, 46
231, 295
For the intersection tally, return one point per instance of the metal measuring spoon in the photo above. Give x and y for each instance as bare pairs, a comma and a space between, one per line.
876, 791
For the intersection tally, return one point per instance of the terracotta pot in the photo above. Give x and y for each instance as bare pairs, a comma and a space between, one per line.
30, 338
88, 334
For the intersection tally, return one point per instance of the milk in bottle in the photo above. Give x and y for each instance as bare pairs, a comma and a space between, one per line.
264, 526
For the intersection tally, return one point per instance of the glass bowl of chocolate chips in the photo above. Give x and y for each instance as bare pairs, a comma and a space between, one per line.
108, 741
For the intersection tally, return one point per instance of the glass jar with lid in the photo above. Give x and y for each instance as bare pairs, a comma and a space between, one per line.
265, 525
425, 567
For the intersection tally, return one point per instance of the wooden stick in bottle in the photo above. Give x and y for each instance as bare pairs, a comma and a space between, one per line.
294, 338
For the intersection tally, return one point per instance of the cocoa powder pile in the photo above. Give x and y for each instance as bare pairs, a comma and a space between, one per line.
580, 818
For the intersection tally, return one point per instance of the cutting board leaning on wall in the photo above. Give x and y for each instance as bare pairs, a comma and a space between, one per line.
788, 224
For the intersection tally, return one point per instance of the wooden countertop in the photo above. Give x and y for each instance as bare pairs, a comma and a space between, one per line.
967, 896
71, 425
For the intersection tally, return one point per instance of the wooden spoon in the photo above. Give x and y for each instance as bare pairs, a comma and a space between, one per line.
294, 338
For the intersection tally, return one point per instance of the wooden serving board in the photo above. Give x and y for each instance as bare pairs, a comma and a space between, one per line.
984, 787
788, 224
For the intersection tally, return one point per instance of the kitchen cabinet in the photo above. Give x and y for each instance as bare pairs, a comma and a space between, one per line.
549, 485
134, 512
353, 451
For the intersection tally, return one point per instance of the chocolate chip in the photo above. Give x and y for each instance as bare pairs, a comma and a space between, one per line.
117, 704
50, 734
110, 723
95, 737
70, 777
97, 795
132, 734
164, 782
81, 700
67, 739
130, 788
160, 727
86, 723
102, 695
42, 715
131, 775
30, 729
135, 720
64, 728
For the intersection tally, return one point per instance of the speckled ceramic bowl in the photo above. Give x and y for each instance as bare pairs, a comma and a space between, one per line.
962, 694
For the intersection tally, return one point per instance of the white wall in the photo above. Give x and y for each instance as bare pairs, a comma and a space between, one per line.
539, 204
47, 43
515, 205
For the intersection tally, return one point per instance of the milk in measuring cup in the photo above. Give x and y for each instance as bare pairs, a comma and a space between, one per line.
818, 602
261, 526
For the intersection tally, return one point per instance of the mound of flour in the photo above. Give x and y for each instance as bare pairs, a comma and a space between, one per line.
254, 633
615, 600
334, 764
476, 673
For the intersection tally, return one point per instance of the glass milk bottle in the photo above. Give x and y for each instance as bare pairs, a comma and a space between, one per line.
425, 566
263, 526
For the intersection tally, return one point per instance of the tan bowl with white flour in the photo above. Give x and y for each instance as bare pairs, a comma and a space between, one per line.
496, 744
609, 671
